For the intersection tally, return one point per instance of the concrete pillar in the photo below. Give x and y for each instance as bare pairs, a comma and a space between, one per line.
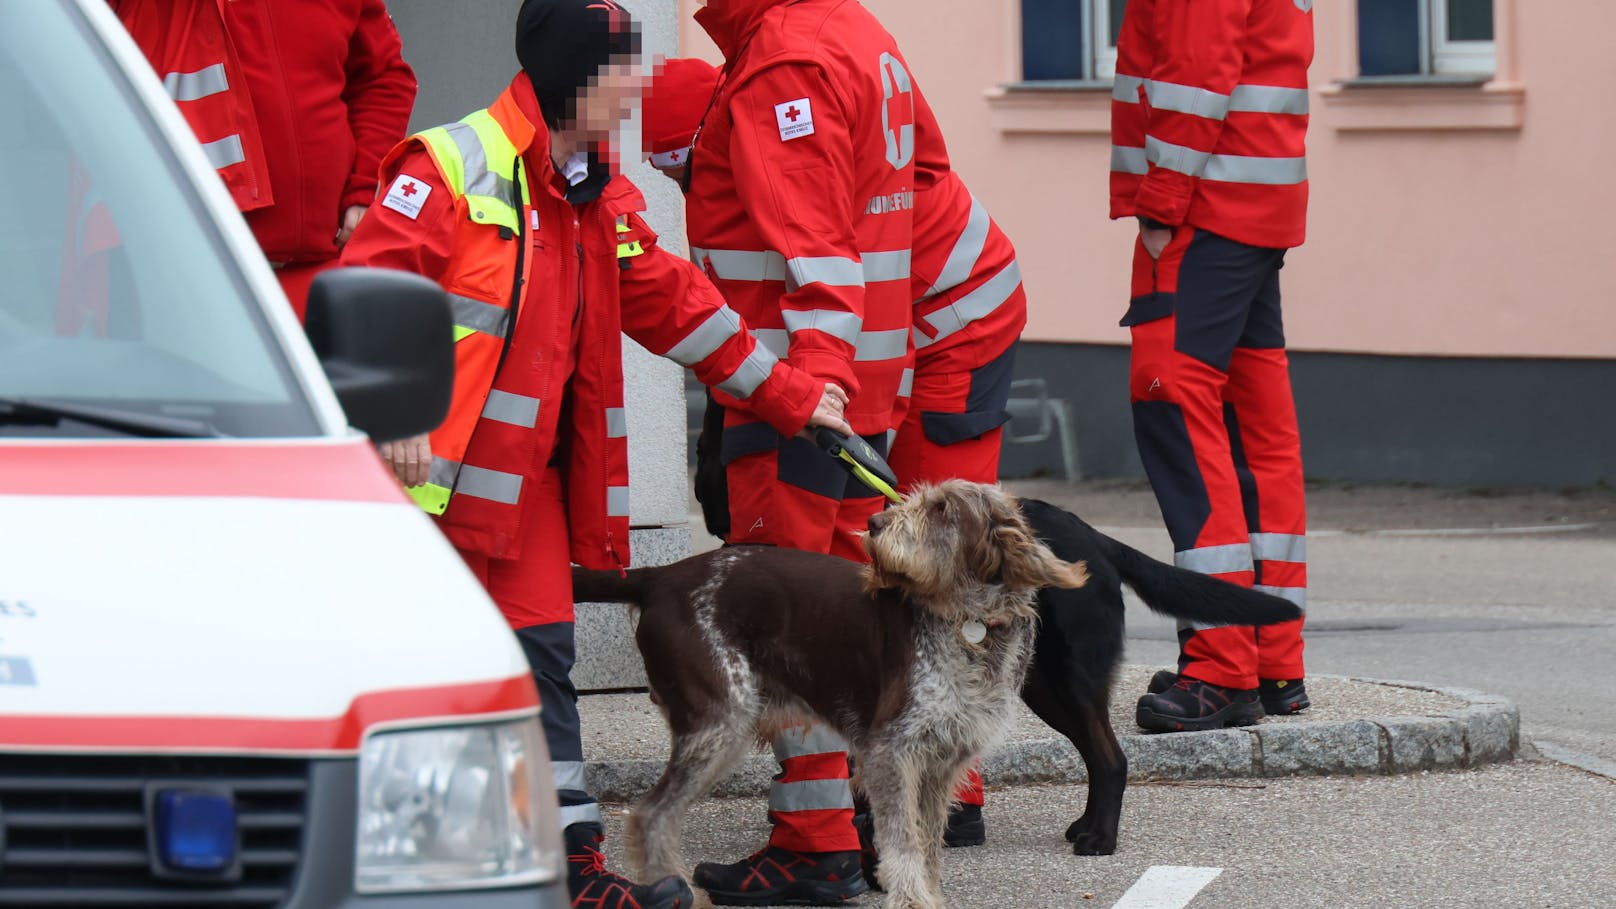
464, 55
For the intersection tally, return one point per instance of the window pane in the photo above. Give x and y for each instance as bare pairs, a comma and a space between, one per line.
1388, 37
1116, 7
1470, 20
1051, 39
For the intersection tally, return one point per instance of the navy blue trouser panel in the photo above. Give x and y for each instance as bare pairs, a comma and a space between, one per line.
1228, 296
551, 653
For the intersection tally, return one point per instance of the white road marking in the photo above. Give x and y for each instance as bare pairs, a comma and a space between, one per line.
1166, 887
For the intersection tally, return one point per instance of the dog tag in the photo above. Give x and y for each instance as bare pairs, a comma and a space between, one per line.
973, 631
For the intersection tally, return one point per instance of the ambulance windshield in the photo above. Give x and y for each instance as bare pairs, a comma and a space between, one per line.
117, 294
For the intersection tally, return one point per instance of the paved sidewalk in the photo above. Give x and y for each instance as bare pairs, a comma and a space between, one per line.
1358, 727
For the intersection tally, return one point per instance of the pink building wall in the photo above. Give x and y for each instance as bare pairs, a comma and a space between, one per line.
1460, 221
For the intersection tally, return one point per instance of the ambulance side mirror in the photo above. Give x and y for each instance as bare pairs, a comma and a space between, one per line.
386, 341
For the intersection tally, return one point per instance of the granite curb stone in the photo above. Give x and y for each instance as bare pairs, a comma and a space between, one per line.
1485, 729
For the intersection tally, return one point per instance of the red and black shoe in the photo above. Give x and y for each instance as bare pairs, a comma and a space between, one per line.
773, 876
1192, 705
1283, 697
593, 887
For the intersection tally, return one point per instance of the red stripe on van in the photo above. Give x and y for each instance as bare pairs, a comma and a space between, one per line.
348, 471
339, 734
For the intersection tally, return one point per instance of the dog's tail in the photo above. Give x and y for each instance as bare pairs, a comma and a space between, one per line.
609, 586
1193, 596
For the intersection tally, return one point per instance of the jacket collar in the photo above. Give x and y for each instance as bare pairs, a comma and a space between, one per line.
731, 22
517, 112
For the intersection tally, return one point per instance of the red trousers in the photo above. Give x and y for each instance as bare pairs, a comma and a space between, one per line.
953, 427
1216, 428
786, 492
295, 280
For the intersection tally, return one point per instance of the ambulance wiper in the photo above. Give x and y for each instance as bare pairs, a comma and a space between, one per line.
22, 411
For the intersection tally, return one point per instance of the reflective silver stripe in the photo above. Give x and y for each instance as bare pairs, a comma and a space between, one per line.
886, 266
616, 423
837, 323
1279, 547
568, 775
200, 84
473, 159
1226, 168
752, 372
580, 814
443, 472
1297, 595
906, 387
1180, 158
814, 738
706, 338
974, 305
831, 271
1187, 99
741, 264
617, 501
493, 485
892, 434
478, 315
966, 253
224, 152
1215, 559
1253, 99
810, 795
870, 347
517, 410
1268, 99
874, 346
1126, 88
1269, 171
1129, 159
775, 340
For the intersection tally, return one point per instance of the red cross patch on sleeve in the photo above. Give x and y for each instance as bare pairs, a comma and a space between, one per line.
795, 118
406, 196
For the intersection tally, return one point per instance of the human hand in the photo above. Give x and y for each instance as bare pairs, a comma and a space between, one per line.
1155, 239
411, 459
829, 411
350, 220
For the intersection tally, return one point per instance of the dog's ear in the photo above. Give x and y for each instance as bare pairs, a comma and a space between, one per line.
1027, 562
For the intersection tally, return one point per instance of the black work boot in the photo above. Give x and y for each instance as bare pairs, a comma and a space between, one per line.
1192, 705
772, 876
1283, 697
965, 827
592, 886
1161, 681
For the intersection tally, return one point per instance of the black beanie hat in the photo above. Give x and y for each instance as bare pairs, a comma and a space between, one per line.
563, 43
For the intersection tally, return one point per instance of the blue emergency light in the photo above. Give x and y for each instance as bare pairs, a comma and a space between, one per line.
196, 832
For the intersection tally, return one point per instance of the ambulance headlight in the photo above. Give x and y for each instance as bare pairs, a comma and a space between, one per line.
456, 808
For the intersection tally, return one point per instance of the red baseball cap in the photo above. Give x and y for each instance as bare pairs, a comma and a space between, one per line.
674, 103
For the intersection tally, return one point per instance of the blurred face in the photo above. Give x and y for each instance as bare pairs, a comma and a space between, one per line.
609, 99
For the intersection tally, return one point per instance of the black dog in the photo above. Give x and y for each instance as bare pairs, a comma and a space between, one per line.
1079, 646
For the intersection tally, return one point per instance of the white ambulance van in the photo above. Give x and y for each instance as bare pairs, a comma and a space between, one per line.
237, 667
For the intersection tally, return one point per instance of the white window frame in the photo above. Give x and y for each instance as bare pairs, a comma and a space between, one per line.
1102, 54
1467, 58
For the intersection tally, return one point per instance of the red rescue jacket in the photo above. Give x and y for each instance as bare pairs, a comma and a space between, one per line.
970, 305
1209, 117
564, 352
333, 95
189, 46
802, 191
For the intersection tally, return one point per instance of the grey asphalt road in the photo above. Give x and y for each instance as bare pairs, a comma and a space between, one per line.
1507, 592
1527, 834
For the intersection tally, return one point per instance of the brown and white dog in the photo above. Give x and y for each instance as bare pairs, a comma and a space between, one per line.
916, 659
